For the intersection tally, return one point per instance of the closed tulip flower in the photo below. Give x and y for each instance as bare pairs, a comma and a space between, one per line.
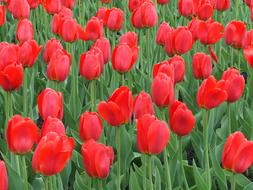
162, 90
3, 176
130, 38
51, 47
234, 34
248, 55
19, 8
193, 27
52, 6
162, 2
248, 39
68, 3
133, 4
201, 65
179, 67
90, 126
182, 120
152, 134
9, 54
211, 93
101, 13
52, 154
205, 10
210, 32
234, 84
24, 31
114, 19
22, 134
2, 15
179, 41
166, 68
91, 64
50, 104
29, 52
104, 45
52, 124
106, 1
162, 32
118, 109
93, 29
222, 5
186, 7
34, 3
97, 159
143, 105
237, 153
59, 66
247, 2
69, 30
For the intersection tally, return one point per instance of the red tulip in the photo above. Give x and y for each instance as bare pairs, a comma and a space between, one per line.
106, 1
101, 13
210, 32
3, 176
237, 153
133, 4
59, 66
29, 51
90, 126
143, 105
22, 134
166, 68
234, 84
248, 55
211, 93
68, 3
234, 34
19, 8
182, 120
91, 64
130, 38
114, 19
179, 67
152, 134
163, 90
186, 7
50, 104
162, 32
93, 29
2, 15
52, 124
9, 54
247, 2
213, 54
104, 45
222, 5
51, 47
162, 2
52, 154
248, 39
24, 30
179, 41
205, 9
34, 3
97, 159
118, 109
193, 27
201, 65
52, 6
69, 30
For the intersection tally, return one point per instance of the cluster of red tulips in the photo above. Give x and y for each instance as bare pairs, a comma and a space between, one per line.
49, 146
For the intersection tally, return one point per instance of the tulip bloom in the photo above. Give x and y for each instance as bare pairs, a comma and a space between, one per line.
152, 134
193, 27
51, 47
52, 6
104, 45
106, 1
237, 153
205, 9
50, 104
19, 8
24, 31
101, 13
179, 67
22, 134
143, 105
52, 154
118, 109
201, 65
3, 176
29, 51
93, 29
2, 15
211, 93
234, 84
91, 64
114, 19
34, 3
248, 55
166, 68
97, 159
234, 34
222, 5
162, 2
179, 41
210, 32
162, 32
181, 119
59, 66
68, 3
130, 38
90, 126
163, 90
52, 124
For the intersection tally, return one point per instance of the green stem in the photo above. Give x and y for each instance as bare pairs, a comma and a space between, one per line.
206, 141
55, 180
229, 119
25, 85
181, 161
90, 183
150, 173
100, 184
233, 185
123, 79
93, 94
167, 170
118, 131
144, 172
24, 171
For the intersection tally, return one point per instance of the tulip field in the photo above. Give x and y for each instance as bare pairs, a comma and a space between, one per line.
126, 94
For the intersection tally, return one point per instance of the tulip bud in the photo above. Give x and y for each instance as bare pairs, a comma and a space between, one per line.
193, 27
90, 126
101, 13
143, 105
205, 10
186, 7
52, 6
34, 3
93, 29
3, 176
52, 124
68, 3
162, 32
201, 65
24, 31
2, 15
166, 68
51, 47
179, 67
222, 5
130, 38
19, 8
69, 30
104, 45
114, 19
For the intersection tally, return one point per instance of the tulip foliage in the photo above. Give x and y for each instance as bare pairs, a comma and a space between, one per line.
126, 95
